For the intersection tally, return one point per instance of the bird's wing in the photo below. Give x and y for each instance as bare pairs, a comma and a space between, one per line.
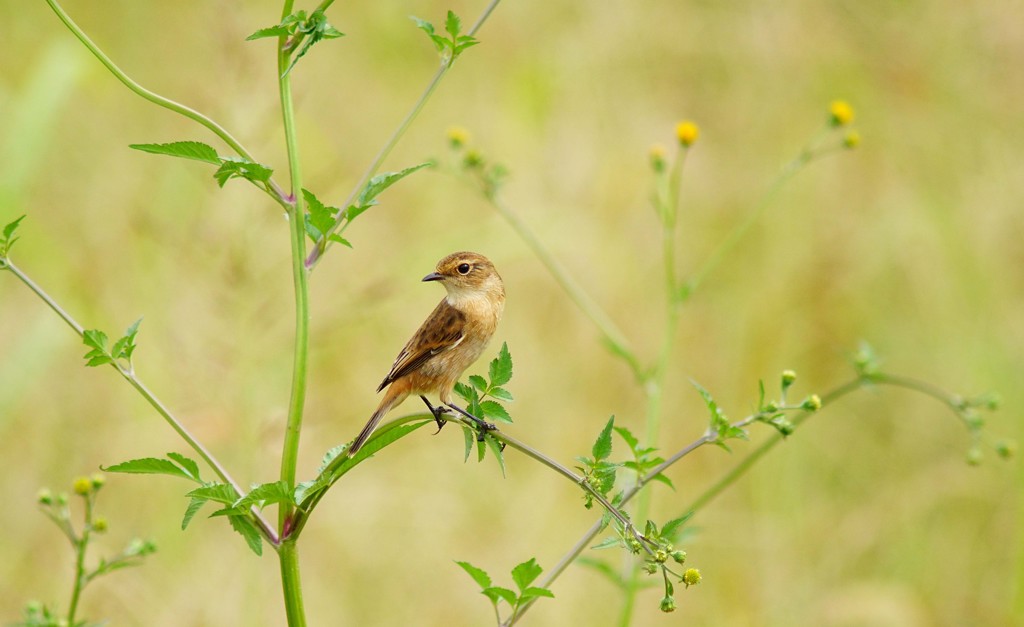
442, 331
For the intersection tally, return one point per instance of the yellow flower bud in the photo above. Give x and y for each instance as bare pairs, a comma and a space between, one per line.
840, 113
691, 577
687, 132
81, 486
851, 140
457, 136
812, 403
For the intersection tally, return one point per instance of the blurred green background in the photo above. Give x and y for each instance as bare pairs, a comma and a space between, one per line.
868, 516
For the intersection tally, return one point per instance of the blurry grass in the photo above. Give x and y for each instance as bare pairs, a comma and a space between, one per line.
867, 516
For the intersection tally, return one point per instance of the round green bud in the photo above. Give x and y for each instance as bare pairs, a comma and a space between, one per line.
99, 525
788, 377
668, 604
650, 568
691, 577
1006, 448
811, 403
473, 159
771, 406
634, 545
45, 497
679, 556
62, 498
661, 556
81, 486
97, 480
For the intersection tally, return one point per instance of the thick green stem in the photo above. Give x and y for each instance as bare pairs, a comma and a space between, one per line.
288, 552
293, 604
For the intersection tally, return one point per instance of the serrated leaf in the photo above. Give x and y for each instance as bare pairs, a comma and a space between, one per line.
603, 444
478, 382
494, 593
330, 456
466, 393
428, 28
334, 237
500, 369
480, 576
627, 436
11, 227
270, 31
718, 420
353, 212
95, 339
197, 151
452, 24
150, 466
501, 394
321, 217
193, 507
98, 360
244, 526
381, 182
607, 543
494, 410
236, 167
266, 494
661, 478
495, 447
525, 573
533, 592
189, 465
219, 492
672, 527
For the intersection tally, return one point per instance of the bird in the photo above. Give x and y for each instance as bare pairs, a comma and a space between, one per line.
451, 338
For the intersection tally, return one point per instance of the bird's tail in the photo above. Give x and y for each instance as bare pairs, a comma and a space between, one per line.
386, 404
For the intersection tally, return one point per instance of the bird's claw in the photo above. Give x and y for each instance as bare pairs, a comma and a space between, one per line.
438, 413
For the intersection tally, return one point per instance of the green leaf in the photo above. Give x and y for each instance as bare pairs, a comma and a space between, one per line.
151, 466
500, 370
524, 574
603, 445
534, 592
189, 465
465, 392
193, 507
266, 494
428, 28
661, 478
719, 423
197, 151
320, 218
495, 447
478, 382
219, 492
248, 530
607, 543
470, 438
453, 24
481, 578
334, 237
631, 441
672, 527
495, 411
500, 393
8, 239
270, 31
95, 339
497, 592
237, 167
381, 182
11, 227
330, 456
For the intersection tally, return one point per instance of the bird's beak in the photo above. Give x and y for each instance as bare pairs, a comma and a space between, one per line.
434, 276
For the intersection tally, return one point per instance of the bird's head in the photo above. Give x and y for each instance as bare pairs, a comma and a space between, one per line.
468, 275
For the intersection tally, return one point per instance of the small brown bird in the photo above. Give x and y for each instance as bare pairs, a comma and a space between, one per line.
451, 338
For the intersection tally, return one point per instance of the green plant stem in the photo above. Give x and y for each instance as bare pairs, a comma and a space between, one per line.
321, 247
155, 403
612, 335
288, 554
80, 544
155, 98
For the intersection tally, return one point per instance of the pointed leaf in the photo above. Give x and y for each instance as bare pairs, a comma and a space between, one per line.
193, 507
244, 526
501, 393
495, 411
478, 382
95, 339
672, 527
494, 593
470, 438
266, 494
534, 592
150, 466
197, 151
219, 492
495, 447
524, 574
189, 465
481, 578
603, 445
381, 182
500, 370
453, 24
631, 441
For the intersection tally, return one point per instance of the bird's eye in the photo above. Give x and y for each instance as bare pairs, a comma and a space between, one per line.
464, 268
